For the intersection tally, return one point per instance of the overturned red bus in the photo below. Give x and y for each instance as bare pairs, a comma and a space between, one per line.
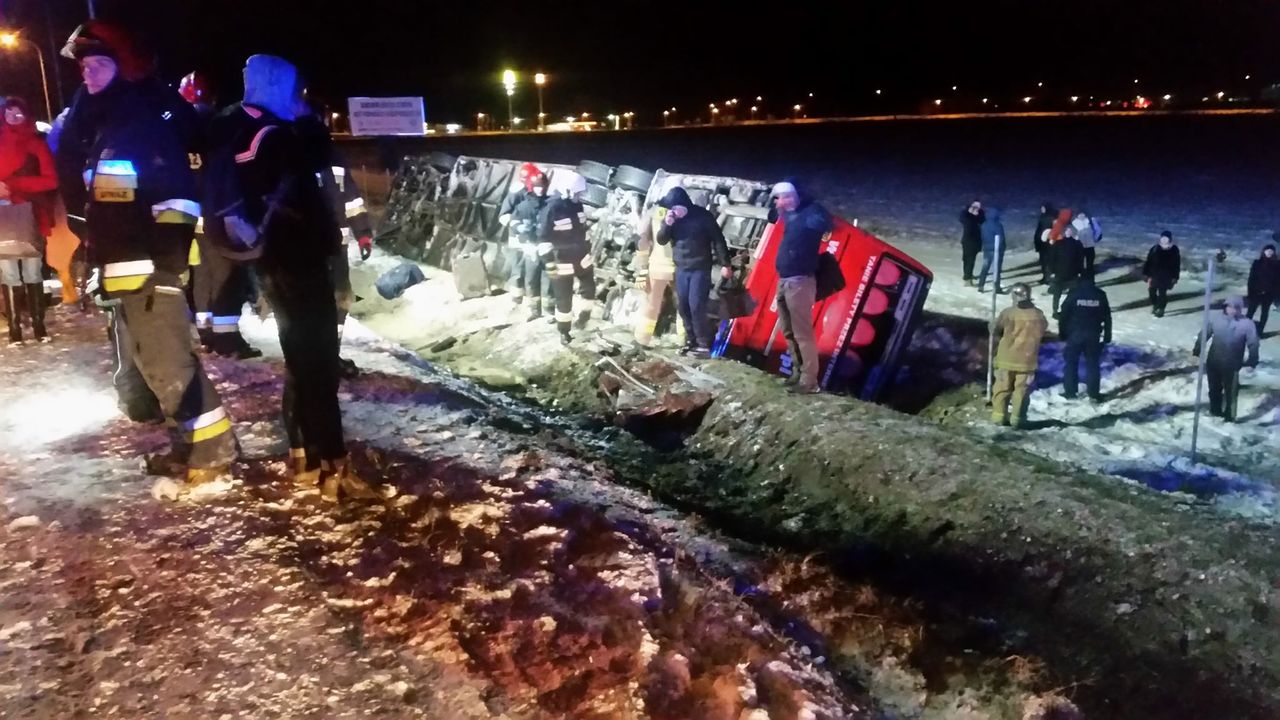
861, 330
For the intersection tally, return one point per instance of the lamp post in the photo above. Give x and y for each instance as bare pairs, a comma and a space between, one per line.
666, 117
12, 41
509, 82
540, 80
479, 122
797, 109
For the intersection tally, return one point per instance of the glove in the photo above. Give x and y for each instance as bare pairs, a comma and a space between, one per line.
366, 247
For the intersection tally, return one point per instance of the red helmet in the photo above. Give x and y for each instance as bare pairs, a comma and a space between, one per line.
99, 37
530, 174
195, 88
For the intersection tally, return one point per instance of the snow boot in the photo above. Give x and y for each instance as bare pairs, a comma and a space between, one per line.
13, 313
347, 369
340, 479
172, 463
565, 338
35, 306
535, 312
584, 317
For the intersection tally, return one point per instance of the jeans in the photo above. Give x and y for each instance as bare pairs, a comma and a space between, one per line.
989, 260
693, 296
1264, 302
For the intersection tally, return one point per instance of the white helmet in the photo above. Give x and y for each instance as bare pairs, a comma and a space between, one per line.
567, 183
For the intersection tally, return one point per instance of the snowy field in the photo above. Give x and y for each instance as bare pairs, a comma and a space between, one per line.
1211, 180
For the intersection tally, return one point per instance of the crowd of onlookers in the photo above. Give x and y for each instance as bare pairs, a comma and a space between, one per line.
1066, 243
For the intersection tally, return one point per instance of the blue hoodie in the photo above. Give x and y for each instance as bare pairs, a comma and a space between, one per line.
271, 83
801, 237
991, 227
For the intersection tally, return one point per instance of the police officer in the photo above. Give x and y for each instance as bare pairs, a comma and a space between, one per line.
564, 225
285, 210
124, 162
1085, 324
220, 278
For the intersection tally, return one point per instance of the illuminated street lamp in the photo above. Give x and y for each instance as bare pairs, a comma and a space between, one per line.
540, 79
10, 40
509, 82
1027, 100
796, 109
666, 117
479, 122
754, 109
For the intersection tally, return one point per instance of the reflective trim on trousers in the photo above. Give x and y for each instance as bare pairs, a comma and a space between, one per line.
564, 317
226, 323
126, 276
207, 426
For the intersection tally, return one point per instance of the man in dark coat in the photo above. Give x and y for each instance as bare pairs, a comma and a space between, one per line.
1264, 285
1068, 263
971, 238
1161, 270
1231, 336
805, 223
1040, 241
696, 241
1085, 326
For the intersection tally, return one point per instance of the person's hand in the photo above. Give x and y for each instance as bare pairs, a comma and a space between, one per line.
726, 272
4, 191
679, 211
669, 219
366, 247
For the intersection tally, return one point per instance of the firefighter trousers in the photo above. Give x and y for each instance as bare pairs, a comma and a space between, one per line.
340, 272
647, 319
221, 287
573, 263
1009, 397
158, 375
307, 320
537, 282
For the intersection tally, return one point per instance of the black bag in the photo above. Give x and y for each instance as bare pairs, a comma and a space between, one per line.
830, 280
395, 281
735, 301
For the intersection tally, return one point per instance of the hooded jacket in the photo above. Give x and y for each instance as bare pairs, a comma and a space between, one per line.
1264, 275
1040, 241
696, 239
1068, 259
1231, 338
1019, 330
124, 162
26, 166
1163, 267
991, 228
802, 233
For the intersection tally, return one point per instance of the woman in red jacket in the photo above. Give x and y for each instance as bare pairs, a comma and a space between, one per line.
27, 175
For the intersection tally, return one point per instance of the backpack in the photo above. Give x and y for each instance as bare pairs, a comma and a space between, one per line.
1097, 229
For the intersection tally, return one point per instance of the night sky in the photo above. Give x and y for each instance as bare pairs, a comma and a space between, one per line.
618, 56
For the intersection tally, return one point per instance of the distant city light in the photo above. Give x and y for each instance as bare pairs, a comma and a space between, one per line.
1167, 98
1221, 95
539, 79
984, 101
810, 94
9, 39
1135, 81
452, 128
1247, 77
1039, 84
954, 88
877, 92
759, 99
1026, 99
937, 102
1074, 98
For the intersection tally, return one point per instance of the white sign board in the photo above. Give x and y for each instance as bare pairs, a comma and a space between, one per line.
387, 116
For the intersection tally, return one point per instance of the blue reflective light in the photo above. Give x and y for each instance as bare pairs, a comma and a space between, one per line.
116, 167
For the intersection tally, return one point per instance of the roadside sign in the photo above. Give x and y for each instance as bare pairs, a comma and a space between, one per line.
387, 116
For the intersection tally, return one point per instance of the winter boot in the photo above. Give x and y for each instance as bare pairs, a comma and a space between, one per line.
172, 463
341, 479
298, 468
347, 369
14, 312
565, 338
35, 305
535, 311
584, 317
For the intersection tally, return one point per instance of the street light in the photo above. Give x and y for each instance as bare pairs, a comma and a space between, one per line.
540, 79
479, 122
10, 40
754, 109
509, 82
666, 117
797, 111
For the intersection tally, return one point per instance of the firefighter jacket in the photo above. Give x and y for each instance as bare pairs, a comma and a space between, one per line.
125, 161
652, 256
280, 172
564, 224
1018, 331
349, 209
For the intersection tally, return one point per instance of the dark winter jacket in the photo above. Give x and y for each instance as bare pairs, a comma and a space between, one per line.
1264, 276
696, 239
802, 233
278, 164
971, 236
525, 216
1085, 314
564, 224
1231, 338
1047, 218
992, 228
1163, 267
1068, 259
26, 166
125, 163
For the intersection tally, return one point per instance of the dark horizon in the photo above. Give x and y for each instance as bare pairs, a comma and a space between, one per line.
626, 57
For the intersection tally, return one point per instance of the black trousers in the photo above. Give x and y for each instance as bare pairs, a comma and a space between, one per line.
220, 288
1224, 390
1090, 254
1261, 301
1045, 259
969, 257
573, 263
1091, 349
1159, 298
1060, 287
307, 319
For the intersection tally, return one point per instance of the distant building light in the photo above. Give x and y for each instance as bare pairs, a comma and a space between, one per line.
877, 92
937, 102
1167, 98
954, 88
1040, 84
1135, 81
984, 101
1247, 77
1026, 99
810, 94
1075, 98
452, 127
1221, 95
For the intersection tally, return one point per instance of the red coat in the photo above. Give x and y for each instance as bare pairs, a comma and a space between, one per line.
26, 166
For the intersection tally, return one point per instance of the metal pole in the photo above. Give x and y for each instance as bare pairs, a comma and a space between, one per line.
44, 81
1204, 356
991, 335
510, 114
542, 122
92, 14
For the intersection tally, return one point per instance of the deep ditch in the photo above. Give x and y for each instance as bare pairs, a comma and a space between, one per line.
1126, 598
